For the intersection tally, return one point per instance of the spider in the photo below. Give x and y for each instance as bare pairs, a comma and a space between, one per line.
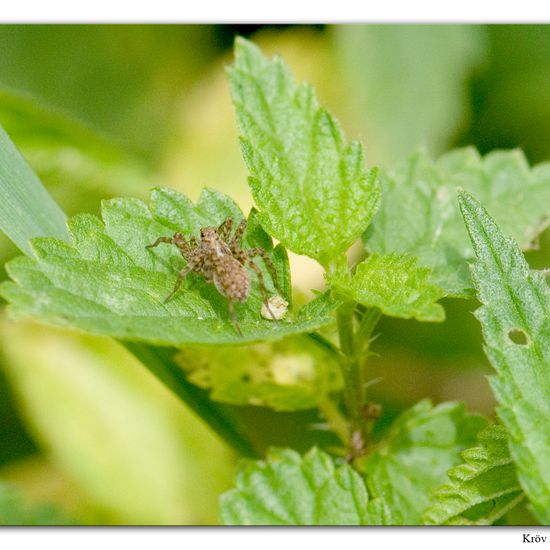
219, 258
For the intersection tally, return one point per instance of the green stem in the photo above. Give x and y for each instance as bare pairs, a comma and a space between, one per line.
336, 420
344, 319
160, 363
351, 372
354, 346
321, 341
366, 326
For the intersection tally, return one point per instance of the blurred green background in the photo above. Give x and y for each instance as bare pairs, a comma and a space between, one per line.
109, 110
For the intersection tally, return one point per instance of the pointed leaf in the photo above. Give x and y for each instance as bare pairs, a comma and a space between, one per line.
312, 188
395, 285
482, 489
515, 319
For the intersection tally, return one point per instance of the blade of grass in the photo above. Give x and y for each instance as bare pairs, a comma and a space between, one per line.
26, 209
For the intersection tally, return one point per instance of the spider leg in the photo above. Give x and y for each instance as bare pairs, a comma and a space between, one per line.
224, 230
169, 240
179, 240
233, 315
235, 243
268, 263
181, 275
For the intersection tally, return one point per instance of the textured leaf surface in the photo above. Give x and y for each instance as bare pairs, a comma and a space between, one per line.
515, 319
395, 285
288, 489
419, 214
15, 511
291, 374
423, 443
108, 283
482, 489
312, 188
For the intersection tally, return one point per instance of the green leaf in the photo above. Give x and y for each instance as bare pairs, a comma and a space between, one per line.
107, 282
514, 318
389, 91
422, 444
395, 285
312, 188
291, 374
15, 511
26, 209
288, 489
419, 214
482, 489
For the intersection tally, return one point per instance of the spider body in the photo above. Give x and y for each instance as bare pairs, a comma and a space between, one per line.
222, 268
219, 258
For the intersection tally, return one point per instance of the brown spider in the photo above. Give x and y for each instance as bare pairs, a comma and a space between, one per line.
219, 258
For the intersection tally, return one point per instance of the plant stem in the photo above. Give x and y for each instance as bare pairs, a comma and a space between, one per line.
354, 346
321, 341
364, 332
336, 420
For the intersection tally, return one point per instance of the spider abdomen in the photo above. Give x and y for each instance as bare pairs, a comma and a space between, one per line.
231, 278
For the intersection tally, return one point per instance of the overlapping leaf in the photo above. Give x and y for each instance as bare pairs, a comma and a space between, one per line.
395, 285
515, 318
288, 489
287, 375
482, 489
419, 214
423, 443
312, 188
108, 282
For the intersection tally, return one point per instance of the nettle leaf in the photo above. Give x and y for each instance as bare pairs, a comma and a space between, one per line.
422, 444
312, 188
288, 489
482, 489
291, 374
107, 282
419, 214
394, 284
515, 319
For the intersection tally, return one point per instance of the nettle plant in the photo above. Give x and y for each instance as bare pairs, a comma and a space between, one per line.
216, 349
